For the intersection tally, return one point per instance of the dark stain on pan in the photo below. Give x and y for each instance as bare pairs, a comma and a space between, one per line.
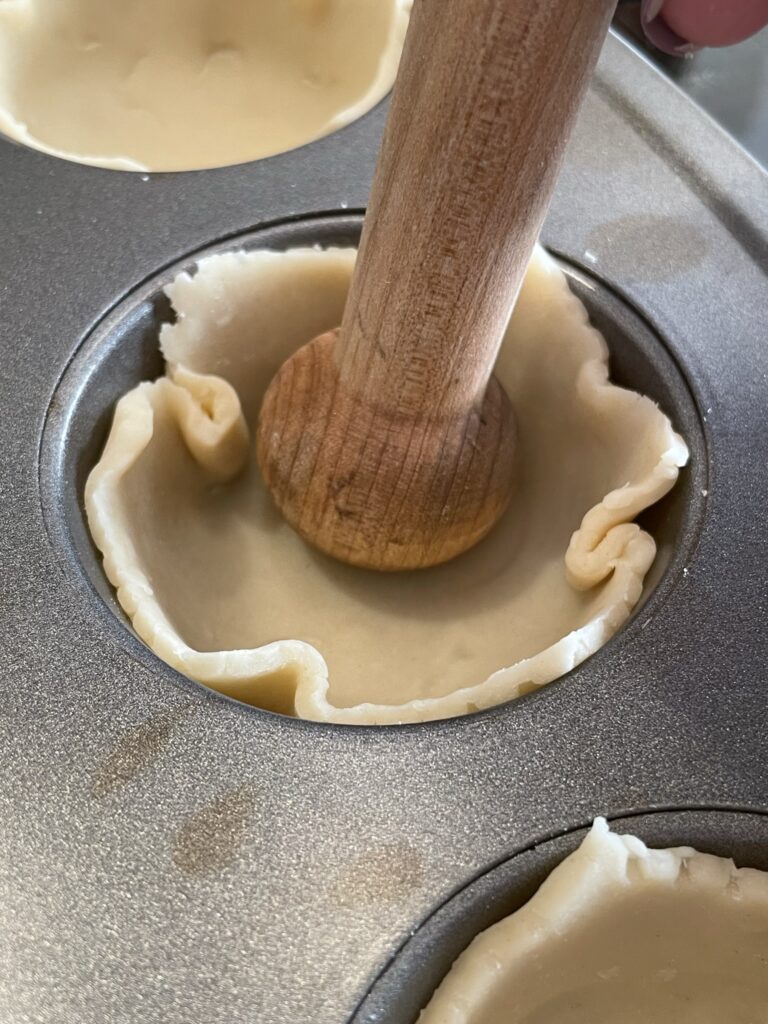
385, 875
133, 754
210, 839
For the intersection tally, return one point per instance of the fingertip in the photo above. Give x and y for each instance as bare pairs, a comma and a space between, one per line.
681, 26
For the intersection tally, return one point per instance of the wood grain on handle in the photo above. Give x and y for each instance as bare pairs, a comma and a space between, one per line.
384, 444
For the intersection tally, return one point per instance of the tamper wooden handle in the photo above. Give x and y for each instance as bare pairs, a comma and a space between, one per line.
388, 443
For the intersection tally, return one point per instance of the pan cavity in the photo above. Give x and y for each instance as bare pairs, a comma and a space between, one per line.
151, 441
181, 85
598, 926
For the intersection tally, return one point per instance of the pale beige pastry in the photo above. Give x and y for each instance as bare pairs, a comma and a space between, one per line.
222, 589
162, 85
621, 934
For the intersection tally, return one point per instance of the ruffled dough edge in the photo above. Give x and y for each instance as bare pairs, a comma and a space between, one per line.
207, 411
607, 529
603, 867
291, 676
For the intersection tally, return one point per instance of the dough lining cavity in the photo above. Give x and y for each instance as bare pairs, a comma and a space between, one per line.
220, 588
620, 932
187, 84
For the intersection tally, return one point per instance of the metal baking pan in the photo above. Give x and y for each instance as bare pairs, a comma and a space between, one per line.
169, 855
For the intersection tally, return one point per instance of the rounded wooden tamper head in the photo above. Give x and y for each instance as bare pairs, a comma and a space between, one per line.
374, 488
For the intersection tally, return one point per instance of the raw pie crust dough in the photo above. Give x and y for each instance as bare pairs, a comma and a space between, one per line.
223, 590
620, 934
165, 85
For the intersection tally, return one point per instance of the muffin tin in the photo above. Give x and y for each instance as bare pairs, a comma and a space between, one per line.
170, 855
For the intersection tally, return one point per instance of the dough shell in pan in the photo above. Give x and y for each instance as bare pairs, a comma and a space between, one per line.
221, 588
